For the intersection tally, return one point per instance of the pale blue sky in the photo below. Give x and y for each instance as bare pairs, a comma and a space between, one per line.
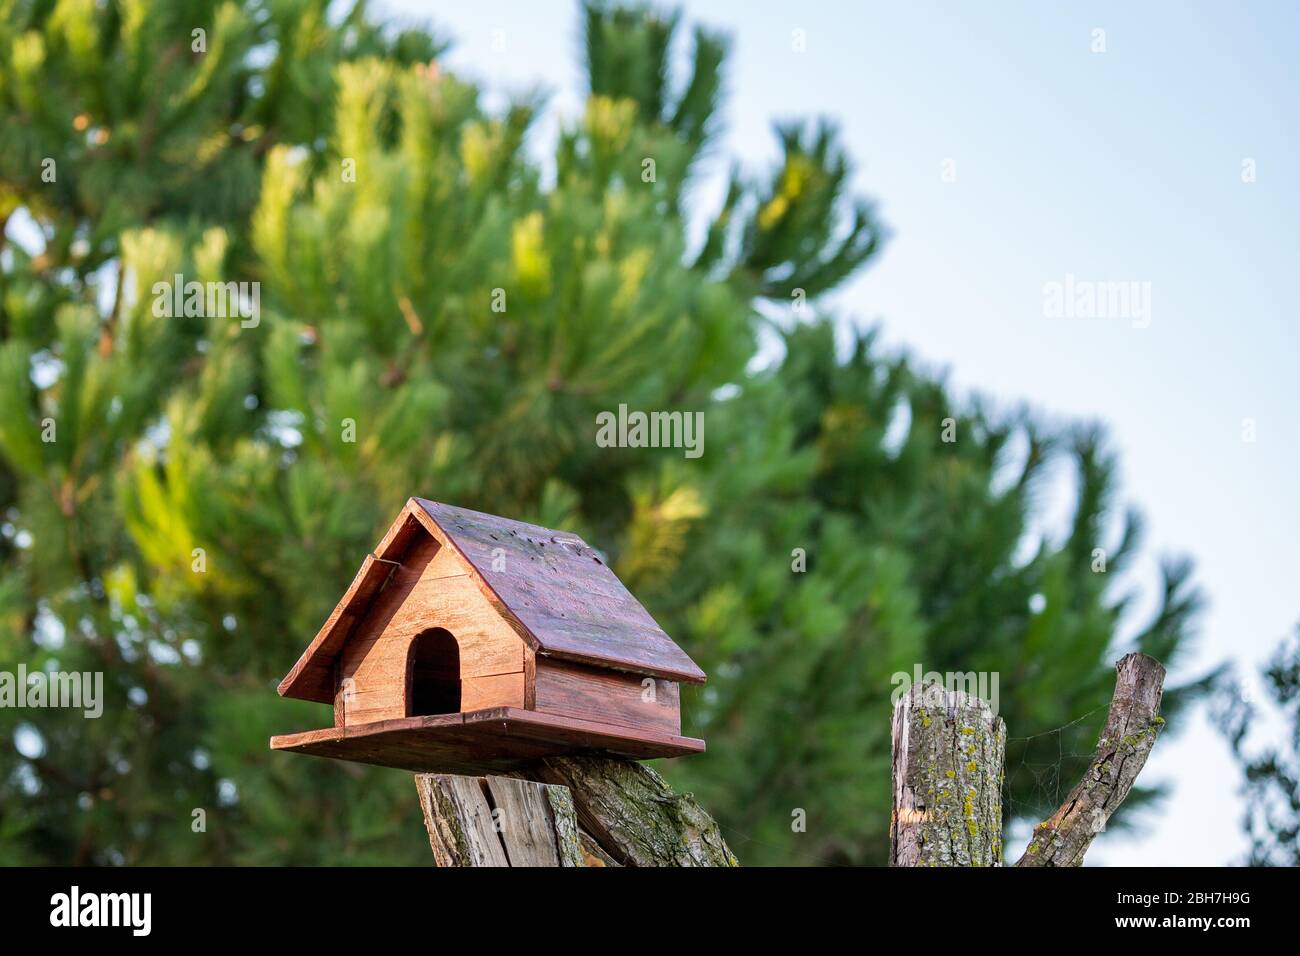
1122, 165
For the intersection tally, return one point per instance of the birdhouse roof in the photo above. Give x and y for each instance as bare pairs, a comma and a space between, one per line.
553, 588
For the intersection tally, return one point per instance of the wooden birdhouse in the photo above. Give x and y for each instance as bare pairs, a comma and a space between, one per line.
469, 642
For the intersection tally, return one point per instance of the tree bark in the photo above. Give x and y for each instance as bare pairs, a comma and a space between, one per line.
1131, 729
632, 814
949, 751
570, 811
498, 821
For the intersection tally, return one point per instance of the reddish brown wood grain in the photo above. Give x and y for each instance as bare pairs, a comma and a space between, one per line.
548, 653
312, 677
575, 690
549, 588
500, 738
429, 591
562, 592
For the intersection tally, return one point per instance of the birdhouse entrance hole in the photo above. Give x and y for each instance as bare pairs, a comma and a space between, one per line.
433, 674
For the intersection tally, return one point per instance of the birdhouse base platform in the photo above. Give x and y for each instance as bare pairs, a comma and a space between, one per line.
500, 738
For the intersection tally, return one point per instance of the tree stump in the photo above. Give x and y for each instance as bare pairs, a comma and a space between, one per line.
949, 751
948, 767
568, 811
498, 821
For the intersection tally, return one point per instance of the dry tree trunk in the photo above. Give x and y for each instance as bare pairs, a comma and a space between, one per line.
496, 821
948, 770
578, 811
634, 816
1131, 729
948, 756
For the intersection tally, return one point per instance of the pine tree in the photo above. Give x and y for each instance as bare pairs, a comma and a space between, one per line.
1270, 772
443, 312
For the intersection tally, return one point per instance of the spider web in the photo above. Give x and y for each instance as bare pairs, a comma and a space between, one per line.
1048, 768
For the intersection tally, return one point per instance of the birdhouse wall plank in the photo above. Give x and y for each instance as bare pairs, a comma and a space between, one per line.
498, 690
430, 589
607, 696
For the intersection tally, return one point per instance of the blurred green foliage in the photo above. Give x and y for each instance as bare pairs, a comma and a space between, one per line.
466, 308
1270, 768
